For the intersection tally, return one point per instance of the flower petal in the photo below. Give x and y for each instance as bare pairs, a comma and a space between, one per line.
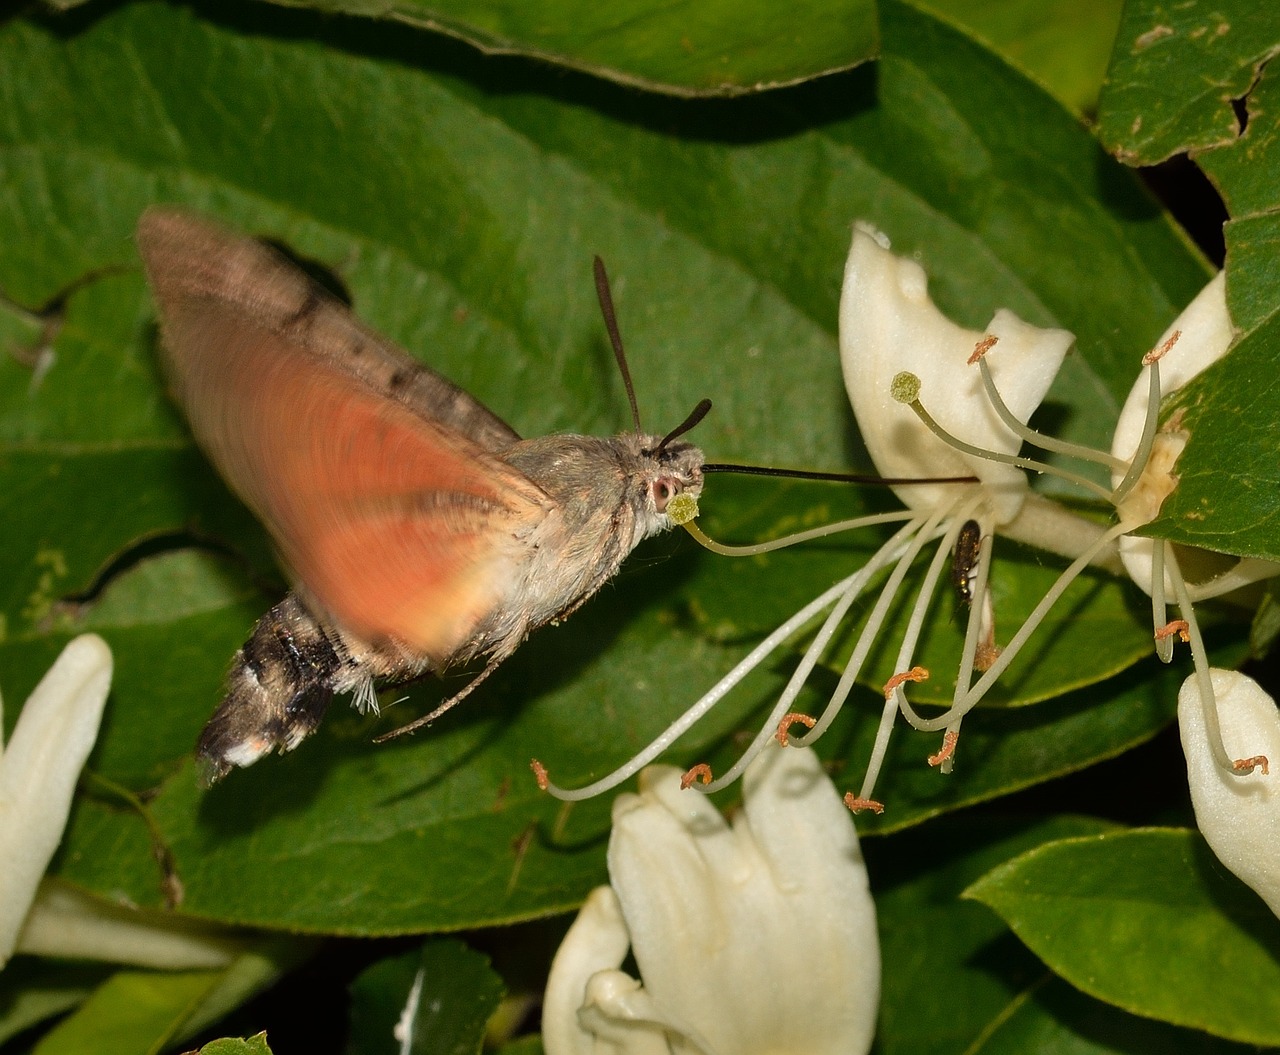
69, 924
1207, 333
39, 769
1239, 816
888, 324
596, 942
733, 928
622, 1017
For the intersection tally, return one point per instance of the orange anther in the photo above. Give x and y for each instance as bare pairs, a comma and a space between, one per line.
982, 347
1175, 626
914, 674
788, 720
1245, 766
1156, 354
985, 655
857, 805
701, 773
540, 774
949, 739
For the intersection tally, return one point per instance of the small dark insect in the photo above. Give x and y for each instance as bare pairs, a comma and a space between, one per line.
964, 560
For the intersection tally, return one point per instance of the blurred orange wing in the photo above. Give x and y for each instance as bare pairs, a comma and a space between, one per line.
395, 519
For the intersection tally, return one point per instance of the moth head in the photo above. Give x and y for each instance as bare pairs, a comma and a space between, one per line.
677, 469
673, 466
656, 474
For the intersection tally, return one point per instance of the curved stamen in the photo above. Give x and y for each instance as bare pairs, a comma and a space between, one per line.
972, 635
754, 549
1034, 619
1200, 660
869, 632
999, 456
967, 700
880, 748
1159, 604
902, 542
872, 627
1039, 439
717, 692
898, 696
1142, 454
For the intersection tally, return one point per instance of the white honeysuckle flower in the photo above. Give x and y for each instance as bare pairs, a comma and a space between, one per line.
889, 325
1204, 334
39, 769
1144, 476
38, 772
1238, 814
756, 936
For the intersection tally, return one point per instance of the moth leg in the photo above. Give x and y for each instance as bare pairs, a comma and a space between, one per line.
447, 705
278, 690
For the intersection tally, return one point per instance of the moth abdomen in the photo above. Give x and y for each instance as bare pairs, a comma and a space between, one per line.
278, 689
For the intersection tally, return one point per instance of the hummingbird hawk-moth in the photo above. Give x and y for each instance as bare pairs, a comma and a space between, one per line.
419, 531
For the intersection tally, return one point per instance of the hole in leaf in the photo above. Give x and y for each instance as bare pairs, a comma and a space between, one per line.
137, 552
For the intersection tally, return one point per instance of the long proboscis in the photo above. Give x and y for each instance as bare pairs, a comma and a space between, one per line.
834, 477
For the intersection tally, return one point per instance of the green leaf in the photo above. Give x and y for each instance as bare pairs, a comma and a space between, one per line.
133, 1012
437, 1000
255, 1045
718, 48
34, 990
252, 972
1242, 169
1056, 1018
930, 940
460, 200
1092, 908
1226, 500
1176, 71
1228, 497
147, 1011
1064, 44
531, 1045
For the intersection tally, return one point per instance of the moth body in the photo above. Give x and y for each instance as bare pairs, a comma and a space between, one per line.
420, 531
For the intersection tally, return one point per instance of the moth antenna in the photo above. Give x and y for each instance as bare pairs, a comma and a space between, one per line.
844, 478
695, 415
615, 338
448, 705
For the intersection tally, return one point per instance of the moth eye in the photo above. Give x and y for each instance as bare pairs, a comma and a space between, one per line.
663, 491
